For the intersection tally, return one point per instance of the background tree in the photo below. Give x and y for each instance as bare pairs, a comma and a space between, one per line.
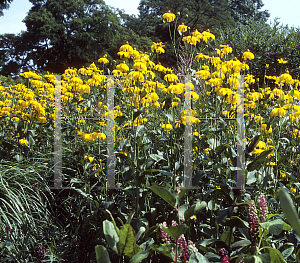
245, 12
62, 34
4, 4
197, 14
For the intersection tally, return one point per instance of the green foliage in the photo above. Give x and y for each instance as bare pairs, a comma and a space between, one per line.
269, 43
4, 4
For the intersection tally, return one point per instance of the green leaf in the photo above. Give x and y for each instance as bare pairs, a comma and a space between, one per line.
181, 210
289, 210
111, 235
189, 212
225, 237
135, 251
253, 143
139, 257
276, 227
102, 254
286, 227
258, 161
166, 249
156, 157
236, 221
183, 192
112, 219
251, 178
165, 194
241, 243
127, 238
263, 258
198, 258
82, 192
200, 206
275, 255
175, 231
289, 249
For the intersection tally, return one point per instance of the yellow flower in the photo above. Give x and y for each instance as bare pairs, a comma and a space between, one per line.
126, 48
264, 128
248, 55
205, 74
103, 60
293, 190
207, 150
140, 66
122, 67
193, 217
282, 175
122, 152
218, 187
170, 17
170, 77
167, 127
281, 61
295, 133
23, 142
158, 47
182, 28
280, 112
88, 157
285, 78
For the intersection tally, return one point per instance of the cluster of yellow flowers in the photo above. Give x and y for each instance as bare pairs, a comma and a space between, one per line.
139, 78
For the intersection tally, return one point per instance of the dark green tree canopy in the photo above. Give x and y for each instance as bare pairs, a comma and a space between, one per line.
63, 34
4, 4
244, 12
194, 13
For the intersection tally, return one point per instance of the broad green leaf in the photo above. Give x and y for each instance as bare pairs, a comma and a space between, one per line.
251, 178
183, 192
258, 161
165, 194
140, 233
198, 258
156, 157
139, 257
275, 255
253, 143
82, 192
262, 258
102, 254
241, 243
166, 249
130, 217
236, 221
286, 227
111, 235
112, 219
175, 231
289, 249
276, 226
126, 240
181, 210
289, 210
135, 251
225, 237
298, 254
200, 206
189, 212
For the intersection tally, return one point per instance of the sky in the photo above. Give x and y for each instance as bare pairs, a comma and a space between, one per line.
11, 22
